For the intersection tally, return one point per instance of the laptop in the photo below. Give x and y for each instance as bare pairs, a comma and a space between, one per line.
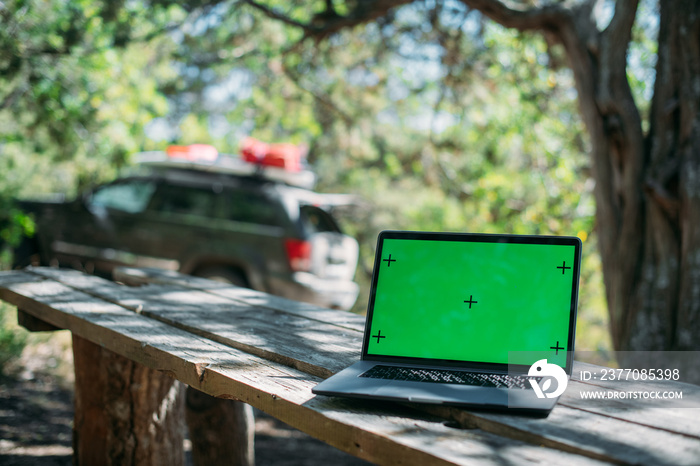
467, 320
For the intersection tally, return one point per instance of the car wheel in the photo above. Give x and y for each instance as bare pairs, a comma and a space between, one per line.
224, 275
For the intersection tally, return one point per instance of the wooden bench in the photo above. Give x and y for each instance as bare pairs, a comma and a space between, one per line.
133, 343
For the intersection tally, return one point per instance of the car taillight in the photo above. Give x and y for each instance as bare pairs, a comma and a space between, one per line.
298, 254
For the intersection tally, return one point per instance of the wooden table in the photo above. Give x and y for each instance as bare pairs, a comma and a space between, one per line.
132, 345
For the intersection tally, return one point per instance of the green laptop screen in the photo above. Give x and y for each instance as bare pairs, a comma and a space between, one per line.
472, 301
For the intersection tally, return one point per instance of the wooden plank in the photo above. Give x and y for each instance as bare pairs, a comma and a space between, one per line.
557, 433
379, 432
680, 420
33, 324
145, 276
290, 338
221, 431
8, 277
690, 390
158, 301
579, 431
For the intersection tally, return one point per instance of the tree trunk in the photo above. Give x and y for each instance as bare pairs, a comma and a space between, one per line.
222, 431
647, 186
674, 174
125, 413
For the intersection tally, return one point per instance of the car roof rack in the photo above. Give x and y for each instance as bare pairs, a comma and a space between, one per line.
274, 162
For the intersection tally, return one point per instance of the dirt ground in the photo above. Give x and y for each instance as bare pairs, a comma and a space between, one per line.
36, 416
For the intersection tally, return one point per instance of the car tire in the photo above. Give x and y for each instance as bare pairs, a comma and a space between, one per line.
224, 275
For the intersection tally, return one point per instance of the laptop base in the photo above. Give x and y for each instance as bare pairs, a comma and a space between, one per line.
348, 383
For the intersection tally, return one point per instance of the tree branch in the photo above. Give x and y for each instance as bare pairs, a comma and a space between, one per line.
270, 13
613, 55
620, 26
523, 19
329, 22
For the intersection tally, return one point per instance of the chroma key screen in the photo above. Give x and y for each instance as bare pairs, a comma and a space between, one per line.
473, 301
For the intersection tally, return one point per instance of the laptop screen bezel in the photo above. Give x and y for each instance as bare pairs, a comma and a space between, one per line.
472, 237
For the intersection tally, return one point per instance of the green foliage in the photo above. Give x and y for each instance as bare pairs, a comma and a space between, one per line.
79, 83
471, 131
12, 339
14, 224
437, 118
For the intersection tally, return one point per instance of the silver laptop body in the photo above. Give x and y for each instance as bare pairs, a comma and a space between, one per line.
462, 319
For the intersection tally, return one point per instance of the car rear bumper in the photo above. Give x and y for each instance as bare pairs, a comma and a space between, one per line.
306, 287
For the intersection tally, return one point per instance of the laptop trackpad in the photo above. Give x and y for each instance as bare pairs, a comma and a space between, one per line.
420, 392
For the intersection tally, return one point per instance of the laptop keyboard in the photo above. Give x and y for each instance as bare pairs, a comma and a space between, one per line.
448, 376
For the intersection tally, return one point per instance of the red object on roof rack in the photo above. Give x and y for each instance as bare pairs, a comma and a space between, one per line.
279, 162
287, 156
193, 152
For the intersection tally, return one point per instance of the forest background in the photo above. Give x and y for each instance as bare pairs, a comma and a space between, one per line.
436, 116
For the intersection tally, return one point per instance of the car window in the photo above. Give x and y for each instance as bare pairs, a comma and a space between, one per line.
315, 219
128, 196
184, 200
255, 208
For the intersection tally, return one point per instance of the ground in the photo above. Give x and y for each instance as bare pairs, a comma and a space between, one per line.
36, 415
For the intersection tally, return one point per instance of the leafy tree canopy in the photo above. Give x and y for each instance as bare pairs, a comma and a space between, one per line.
437, 117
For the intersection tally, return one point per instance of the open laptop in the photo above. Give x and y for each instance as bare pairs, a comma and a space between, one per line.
462, 319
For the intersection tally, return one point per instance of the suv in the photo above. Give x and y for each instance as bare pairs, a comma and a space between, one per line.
246, 229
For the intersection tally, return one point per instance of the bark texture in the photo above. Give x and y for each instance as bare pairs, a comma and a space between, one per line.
647, 184
222, 431
125, 413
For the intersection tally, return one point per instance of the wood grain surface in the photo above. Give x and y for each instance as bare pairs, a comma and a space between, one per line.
269, 352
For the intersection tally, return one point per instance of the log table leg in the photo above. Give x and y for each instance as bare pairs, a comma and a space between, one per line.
222, 431
125, 413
